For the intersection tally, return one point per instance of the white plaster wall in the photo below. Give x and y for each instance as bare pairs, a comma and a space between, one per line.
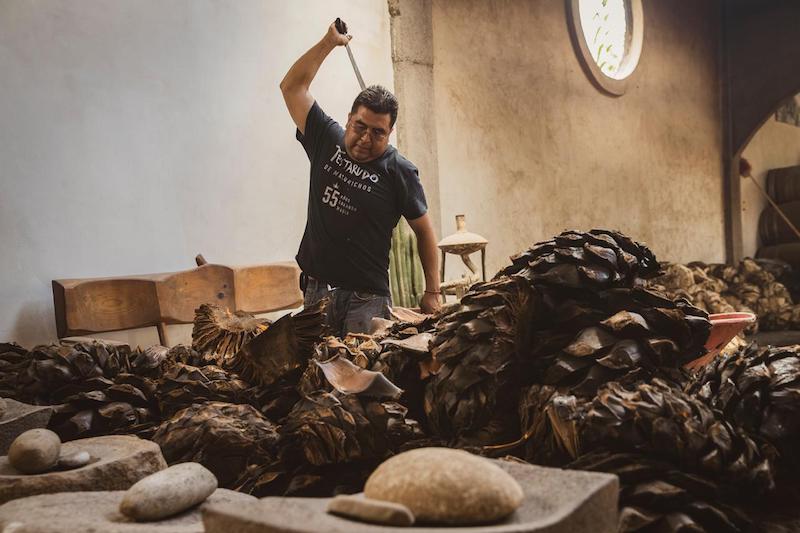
529, 147
135, 134
775, 145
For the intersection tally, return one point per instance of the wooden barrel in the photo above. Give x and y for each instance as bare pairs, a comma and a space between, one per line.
788, 252
783, 184
772, 229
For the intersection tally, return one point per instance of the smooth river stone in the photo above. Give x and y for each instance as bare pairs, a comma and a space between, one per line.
98, 512
117, 462
446, 486
3, 407
35, 451
373, 511
168, 492
74, 460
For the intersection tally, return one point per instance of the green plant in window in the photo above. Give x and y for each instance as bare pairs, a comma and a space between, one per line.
608, 27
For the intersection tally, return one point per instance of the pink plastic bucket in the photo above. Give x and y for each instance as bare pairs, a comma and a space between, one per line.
724, 327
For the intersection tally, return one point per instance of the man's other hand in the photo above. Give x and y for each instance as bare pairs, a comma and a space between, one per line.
430, 303
334, 38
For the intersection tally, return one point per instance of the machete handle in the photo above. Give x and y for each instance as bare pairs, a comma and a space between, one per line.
341, 27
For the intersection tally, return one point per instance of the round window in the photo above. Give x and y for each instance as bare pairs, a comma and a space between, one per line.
608, 38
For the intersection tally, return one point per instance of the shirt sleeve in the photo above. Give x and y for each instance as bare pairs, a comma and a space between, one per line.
318, 124
415, 204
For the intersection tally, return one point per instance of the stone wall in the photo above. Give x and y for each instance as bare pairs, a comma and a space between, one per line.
527, 146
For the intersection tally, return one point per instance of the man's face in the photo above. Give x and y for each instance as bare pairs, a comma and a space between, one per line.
367, 134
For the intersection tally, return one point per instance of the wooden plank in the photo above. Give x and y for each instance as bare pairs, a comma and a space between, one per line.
265, 288
180, 293
98, 305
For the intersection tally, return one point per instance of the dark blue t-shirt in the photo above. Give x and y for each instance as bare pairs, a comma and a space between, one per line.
353, 208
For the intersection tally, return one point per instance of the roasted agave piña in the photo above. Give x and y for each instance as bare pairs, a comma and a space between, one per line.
275, 360
599, 259
14, 361
331, 442
221, 333
183, 385
620, 334
98, 388
597, 323
223, 437
663, 421
480, 349
655, 495
759, 390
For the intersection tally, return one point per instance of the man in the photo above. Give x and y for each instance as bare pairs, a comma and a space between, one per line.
360, 186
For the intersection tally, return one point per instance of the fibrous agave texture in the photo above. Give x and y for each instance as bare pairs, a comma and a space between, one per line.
282, 350
597, 322
339, 428
598, 259
274, 361
223, 437
406, 360
360, 350
619, 334
697, 285
180, 353
182, 385
666, 422
13, 360
571, 313
747, 287
472, 396
100, 406
98, 388
655, 495
221, 333
52, 367
332, 440
751, 285
759, 390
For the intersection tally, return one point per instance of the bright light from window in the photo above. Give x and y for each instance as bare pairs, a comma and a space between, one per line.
607, 30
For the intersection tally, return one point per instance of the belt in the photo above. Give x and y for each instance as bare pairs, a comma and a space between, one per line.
305, 278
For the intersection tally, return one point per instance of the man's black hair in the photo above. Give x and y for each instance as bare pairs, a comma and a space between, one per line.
377, 99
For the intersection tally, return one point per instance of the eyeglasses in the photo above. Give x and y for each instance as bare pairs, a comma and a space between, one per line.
376, 134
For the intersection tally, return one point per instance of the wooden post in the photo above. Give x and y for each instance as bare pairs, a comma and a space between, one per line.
162, 334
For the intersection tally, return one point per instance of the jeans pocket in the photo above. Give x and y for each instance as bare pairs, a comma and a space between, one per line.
315, 291
361, 309
365, 296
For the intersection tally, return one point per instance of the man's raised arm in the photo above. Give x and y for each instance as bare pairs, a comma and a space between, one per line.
295, 85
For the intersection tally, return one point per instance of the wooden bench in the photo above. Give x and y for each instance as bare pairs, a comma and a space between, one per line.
98, 305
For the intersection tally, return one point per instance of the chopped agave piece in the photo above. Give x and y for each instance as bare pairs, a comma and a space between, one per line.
590, 341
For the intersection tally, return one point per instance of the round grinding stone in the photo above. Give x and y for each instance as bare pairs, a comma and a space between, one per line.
117, 462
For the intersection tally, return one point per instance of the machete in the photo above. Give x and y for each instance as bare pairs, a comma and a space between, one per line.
341, 27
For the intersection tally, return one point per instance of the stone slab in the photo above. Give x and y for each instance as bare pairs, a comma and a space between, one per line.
70, 512
556, 501
19, 418
118, 461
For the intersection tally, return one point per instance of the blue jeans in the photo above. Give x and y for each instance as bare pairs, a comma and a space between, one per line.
347, 311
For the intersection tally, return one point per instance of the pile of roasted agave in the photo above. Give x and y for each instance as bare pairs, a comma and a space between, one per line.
568, 357
752, 286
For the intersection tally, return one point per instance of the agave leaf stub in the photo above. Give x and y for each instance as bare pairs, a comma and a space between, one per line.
348, 378
282, 350
589, 341
418, 343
